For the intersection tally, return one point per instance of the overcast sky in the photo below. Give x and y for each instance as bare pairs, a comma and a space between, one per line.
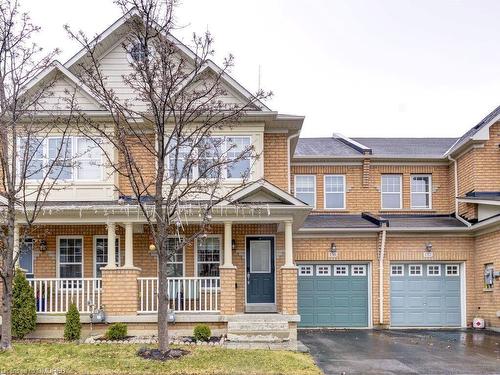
358, 67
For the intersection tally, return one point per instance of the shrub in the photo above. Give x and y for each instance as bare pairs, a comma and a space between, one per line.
202, 332
23, 306
116, 331
72, 328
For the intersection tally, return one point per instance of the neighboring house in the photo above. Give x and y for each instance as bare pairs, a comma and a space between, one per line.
339, 232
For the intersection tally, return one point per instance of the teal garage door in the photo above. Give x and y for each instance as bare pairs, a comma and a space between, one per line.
333, 295
425, 295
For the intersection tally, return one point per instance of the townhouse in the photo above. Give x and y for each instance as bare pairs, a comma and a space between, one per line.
329, 232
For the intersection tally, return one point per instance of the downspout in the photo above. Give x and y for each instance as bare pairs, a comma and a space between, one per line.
381, 278
455, 172
289, 160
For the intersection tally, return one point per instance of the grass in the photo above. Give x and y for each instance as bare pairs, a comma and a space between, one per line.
69, 358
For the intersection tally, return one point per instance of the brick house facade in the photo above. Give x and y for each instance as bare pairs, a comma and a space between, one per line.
361, 232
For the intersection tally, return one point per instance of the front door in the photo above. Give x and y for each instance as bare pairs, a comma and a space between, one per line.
260, 270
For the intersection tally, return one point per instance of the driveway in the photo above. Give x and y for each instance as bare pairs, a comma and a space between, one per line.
404, 352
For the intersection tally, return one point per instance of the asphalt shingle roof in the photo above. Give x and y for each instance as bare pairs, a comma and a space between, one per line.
381, 147
337, 221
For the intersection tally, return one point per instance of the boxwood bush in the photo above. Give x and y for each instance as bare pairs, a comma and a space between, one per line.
202, 332
72, 327
116, 331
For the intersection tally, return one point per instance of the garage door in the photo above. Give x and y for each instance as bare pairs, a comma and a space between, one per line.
333, 295
425, 295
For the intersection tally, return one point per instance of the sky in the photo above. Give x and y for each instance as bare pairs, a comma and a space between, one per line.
390, 68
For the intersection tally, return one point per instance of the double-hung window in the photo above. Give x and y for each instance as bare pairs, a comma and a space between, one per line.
101, 254
208, 256
305, 189
61, 158
212, 157
70, 257
421, 191
391, 192
175, 258
334, 191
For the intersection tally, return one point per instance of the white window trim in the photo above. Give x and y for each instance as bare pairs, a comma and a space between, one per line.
325, 192
341, 266
327, 267
452, 265
295, 186
58, 238
398, 274
221, 252
73, 140
94, 251
195, 171
416, 265
400, 191
434, 274
430, 192
309, 267
363, 267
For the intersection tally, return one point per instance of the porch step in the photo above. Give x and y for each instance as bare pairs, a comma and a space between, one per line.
258, 328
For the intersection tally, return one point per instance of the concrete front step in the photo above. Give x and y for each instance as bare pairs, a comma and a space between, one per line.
258, 328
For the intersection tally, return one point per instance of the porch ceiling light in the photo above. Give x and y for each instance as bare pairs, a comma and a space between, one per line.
333, 249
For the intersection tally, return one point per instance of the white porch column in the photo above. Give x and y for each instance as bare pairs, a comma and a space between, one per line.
16, 244
129, 245
288, 244
111, 245
228, 244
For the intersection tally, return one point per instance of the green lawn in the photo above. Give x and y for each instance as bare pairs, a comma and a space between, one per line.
44, 358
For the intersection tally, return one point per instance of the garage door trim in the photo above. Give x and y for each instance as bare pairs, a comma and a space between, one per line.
369, 286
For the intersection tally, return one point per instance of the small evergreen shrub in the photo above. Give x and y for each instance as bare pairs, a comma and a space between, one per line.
23, 306
72, 327
202, 332
116, 331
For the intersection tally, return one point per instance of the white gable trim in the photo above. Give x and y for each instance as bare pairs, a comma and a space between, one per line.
56, 65
181, 46
270, 188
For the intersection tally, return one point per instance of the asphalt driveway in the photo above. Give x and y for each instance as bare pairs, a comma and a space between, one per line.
404, 352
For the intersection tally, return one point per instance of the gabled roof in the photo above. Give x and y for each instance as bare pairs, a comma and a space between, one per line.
56, 66
264, 192
108, 33
478, 132
401, 148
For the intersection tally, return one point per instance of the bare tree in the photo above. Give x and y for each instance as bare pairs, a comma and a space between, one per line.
28, 174
179, 105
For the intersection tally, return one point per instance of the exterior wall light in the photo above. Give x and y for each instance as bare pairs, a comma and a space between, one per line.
333, 250
233, 244
43, 245
152, 247
428, 250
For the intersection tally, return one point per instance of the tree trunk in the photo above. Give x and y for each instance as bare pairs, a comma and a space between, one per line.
162, 300
6, 342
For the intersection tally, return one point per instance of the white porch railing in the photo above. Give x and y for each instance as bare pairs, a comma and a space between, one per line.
53, 296
185, 294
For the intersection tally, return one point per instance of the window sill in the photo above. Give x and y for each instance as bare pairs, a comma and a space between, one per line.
488, 290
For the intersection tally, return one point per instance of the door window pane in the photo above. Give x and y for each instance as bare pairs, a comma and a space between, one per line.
260, 257
26, 256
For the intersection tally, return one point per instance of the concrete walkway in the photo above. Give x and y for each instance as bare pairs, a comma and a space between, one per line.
404, 352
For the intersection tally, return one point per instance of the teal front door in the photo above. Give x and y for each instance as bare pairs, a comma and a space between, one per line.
260, 269
333, 295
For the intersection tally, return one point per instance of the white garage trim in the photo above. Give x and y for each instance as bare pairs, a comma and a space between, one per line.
463, 295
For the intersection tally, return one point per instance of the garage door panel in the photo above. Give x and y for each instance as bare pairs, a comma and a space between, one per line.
426, 300
333, 301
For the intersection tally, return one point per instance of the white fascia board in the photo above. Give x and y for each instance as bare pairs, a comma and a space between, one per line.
351, 141
272, 189
479, 201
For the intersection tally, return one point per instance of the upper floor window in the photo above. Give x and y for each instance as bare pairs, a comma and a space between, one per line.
391, 192
421, 191
335, 191
224, 157
305, 189
67, 159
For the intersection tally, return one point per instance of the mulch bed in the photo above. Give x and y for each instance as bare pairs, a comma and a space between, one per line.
158, 355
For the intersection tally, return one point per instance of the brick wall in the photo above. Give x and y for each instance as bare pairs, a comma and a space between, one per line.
363, 186
487, 301
276, 159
